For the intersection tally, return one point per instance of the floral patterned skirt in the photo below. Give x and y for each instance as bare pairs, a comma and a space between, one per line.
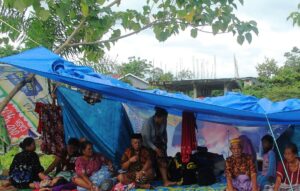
98, 177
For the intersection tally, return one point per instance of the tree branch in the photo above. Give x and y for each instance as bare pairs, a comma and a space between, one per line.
135, 32
196, 26
114, 39
113, 3
15, 90
20, 85
210, 32
67, 42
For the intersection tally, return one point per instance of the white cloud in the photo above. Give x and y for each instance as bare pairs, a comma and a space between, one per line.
276, 36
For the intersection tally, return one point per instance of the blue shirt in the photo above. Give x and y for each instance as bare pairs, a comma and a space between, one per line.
153, 133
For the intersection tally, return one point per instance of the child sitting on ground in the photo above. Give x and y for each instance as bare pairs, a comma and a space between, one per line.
268, 174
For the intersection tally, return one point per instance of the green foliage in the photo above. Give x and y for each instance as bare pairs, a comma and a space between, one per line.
274, 93
155, 74
266, 69
91, 27
194, 33
46, 160
217, 14
158, 75
184, 75
293, 59
216, 93
168, 76
136, 66
248, 37
143, 68
240, 39
152, 87
295, 16
7, 158
8, 50
278, 83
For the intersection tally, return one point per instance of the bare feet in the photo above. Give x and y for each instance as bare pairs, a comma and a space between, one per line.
169, 183
8, 188
45, 189
5, 183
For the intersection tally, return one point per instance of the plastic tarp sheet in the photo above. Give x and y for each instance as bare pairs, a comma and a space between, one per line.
19, 116
214, 136
4, 136
105, 124
235, 109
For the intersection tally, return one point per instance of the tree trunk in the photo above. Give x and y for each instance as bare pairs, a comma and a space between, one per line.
17, 88
20, 85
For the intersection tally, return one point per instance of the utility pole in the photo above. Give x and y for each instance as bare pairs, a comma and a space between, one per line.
236, 69
215, 68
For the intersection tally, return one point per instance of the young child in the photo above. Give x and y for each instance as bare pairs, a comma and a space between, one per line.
268, 174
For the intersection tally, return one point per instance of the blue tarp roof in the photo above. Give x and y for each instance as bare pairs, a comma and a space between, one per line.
232, 109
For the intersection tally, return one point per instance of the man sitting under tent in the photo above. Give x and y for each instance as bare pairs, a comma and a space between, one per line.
155, 138
136, 162
240, 169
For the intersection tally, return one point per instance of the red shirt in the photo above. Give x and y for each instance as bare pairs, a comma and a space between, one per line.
90, 166
294, 176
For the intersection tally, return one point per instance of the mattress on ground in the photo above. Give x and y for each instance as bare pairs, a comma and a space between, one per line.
214, 187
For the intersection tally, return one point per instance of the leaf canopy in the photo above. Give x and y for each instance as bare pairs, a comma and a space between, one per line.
88, 28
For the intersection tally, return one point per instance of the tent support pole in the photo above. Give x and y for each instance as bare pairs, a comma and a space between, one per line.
277, 148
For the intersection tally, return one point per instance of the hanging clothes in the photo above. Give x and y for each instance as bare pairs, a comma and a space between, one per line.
39, 109
50, 127
188, 137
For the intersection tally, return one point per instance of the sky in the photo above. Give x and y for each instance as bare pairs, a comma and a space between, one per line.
276, 36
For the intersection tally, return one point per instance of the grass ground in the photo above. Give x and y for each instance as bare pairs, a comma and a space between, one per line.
6, 159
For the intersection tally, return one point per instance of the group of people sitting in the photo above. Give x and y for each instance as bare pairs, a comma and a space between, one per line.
241, 170
79, 167
76, 166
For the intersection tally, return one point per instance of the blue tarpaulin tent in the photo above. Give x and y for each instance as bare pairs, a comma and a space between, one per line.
105, 124
232, 109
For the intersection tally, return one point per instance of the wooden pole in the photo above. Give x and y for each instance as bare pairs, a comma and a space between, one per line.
17, 88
